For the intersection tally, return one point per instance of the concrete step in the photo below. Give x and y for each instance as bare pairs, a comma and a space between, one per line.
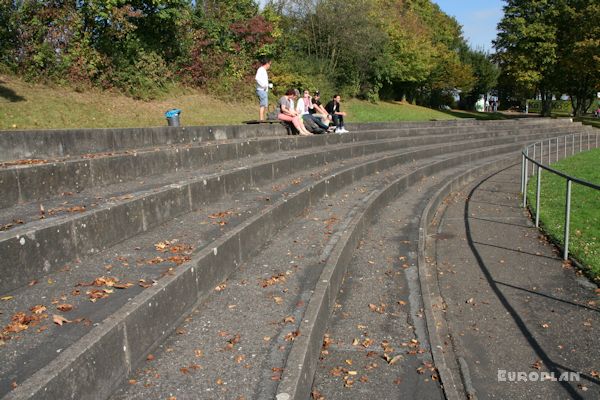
21, 184
310, 254
88, 361
46, 245
154, 311
18, 145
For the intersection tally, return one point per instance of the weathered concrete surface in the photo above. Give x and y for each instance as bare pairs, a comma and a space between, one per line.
510, 302
48, 244
41, 144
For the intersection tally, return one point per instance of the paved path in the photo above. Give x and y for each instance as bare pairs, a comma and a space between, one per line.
510, 303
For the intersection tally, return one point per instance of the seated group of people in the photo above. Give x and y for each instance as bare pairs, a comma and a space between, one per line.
308, 115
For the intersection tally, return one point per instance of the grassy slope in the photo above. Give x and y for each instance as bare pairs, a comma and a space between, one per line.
25, 106
585, 209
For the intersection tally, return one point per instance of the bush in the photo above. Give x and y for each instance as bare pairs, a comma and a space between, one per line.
145, 78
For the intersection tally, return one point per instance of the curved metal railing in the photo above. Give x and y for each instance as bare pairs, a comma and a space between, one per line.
534, 154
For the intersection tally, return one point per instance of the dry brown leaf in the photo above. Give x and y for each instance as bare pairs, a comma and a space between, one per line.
220, 287
64, 307
38, 309
240, 358
272, 280
59, 319
291, 336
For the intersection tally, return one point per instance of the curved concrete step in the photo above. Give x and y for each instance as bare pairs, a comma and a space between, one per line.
196, 279
34, 182
17, 145
47, 245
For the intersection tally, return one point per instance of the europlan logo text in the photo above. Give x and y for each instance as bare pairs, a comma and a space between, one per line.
537, 376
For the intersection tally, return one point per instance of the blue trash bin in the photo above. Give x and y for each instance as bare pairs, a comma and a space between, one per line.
173, 117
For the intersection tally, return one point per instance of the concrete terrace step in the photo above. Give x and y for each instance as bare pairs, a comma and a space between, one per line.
23, 184
245, 239
302, 254
42, 246
17, 145
88, 361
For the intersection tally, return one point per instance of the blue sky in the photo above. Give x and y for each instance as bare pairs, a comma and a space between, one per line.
478, 18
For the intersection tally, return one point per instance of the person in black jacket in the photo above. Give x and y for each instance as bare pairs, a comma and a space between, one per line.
333, 109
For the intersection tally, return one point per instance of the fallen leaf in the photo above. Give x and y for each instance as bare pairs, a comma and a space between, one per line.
6, 298
289, 319
537, 364
38, 309
64, 307
198, 353
291, 336
272, 280
220, 287
240, 358
59, 319
132, 381
123, 285
395, 359
316, 395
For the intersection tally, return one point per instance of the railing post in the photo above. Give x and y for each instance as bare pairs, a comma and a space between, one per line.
522, 171
549, 152
580, 140
526, 178
541, 152
537, 196
557, 139
573, 146
567, 220
534, 146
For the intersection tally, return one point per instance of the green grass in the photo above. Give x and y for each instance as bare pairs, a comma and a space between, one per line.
584, 242
364, 111
33, 106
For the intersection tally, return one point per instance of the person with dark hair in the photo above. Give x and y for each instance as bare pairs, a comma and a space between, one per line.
288, 114
303, 107
262, 87
319, 111
333, 109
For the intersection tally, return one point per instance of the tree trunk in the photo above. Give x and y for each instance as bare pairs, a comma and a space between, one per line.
546, 103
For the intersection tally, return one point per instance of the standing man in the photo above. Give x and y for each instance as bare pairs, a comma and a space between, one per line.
333, 109
262, 87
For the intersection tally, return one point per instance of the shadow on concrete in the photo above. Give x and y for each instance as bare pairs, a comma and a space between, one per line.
9, 94
519, 322
547, 296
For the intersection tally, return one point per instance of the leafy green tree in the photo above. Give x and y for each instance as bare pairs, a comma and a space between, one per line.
485, 73
527, 46
578, 65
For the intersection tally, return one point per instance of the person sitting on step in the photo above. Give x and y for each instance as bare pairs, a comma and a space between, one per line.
288, 114
333, 109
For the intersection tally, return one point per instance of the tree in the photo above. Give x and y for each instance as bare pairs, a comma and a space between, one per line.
485, 72
526, 46
578, 65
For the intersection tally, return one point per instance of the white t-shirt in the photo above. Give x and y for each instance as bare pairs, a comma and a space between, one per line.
262, 79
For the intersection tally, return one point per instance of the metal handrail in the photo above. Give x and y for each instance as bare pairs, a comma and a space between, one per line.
540, 166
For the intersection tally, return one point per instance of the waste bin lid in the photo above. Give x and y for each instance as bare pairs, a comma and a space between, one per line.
172, 113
